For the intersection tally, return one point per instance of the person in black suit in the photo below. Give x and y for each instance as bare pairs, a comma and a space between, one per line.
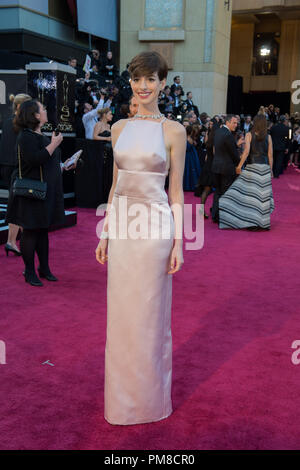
176, 85
190, 105
246, 124
280, 137
226, 159
177, 102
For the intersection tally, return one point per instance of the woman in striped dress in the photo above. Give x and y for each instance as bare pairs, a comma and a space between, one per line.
249, 202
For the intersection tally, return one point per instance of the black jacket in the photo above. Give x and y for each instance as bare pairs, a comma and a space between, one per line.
192, 107
174, 87
226, 157
280, 137
31, 213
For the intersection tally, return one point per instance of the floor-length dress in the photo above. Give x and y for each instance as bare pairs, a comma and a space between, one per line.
249, 201
192, 168
138, 353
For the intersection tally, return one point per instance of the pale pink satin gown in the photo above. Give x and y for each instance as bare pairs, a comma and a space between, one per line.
138, 353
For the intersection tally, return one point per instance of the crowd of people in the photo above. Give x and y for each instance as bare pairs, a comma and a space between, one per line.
98, 108
231, 156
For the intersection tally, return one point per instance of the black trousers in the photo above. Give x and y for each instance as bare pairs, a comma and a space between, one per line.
278, 162
221, 184
35, 241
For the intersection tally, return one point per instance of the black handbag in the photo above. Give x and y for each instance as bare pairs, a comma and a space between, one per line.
30, 188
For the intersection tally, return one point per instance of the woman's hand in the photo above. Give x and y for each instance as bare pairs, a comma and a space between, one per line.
176, 260
238, 170
56, 140
241, 141
101, 251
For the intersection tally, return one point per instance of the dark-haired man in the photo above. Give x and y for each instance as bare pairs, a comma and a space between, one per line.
280, 137
176, 85
72, 61
190, 105
226, 159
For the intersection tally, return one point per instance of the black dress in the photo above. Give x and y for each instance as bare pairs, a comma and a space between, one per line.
30, 213
205, 178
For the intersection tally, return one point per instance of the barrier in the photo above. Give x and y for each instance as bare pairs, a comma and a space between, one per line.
93, 179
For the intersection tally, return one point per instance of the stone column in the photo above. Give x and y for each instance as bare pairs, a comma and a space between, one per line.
194, 35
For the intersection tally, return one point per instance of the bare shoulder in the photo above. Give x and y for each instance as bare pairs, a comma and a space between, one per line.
118, 126
174, 129
116, 130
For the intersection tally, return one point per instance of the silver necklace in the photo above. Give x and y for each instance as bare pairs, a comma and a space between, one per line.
152, 116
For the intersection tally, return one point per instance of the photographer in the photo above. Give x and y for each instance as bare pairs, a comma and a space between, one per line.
90, 116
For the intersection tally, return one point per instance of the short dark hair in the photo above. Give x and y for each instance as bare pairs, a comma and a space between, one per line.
177, 76
71, 57
147, 63
188, 93
25, 117
229, 117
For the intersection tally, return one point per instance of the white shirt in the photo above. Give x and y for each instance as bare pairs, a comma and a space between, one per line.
90, 119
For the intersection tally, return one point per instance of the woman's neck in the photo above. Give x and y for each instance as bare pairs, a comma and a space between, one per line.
149, 109
38, 130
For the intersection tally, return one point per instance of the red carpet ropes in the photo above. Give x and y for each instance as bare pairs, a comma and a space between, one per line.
235, 317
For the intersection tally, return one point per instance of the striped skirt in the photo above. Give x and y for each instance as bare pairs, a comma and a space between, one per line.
249, 200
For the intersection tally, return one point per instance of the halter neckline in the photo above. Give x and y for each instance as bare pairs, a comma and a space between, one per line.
147, 120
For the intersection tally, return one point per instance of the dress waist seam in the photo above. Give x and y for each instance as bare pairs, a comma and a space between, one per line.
139, 198
142, 172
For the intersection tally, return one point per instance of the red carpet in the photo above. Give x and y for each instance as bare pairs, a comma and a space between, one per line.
235, 315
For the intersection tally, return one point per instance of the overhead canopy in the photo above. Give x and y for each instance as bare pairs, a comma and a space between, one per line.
40, 6
98, 17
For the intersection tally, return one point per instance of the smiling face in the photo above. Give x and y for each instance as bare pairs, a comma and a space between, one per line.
146, 88
232, 124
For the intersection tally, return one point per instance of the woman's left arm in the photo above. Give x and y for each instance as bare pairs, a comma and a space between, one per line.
176, 195
245, 152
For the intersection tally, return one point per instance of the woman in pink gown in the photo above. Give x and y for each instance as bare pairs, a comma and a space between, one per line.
142, 242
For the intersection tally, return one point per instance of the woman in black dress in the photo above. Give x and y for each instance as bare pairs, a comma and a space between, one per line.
9, 161
102, 128
204, 185
36, 216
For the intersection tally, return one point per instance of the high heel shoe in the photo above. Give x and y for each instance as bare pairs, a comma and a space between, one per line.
49, 276
9, 248
32, 279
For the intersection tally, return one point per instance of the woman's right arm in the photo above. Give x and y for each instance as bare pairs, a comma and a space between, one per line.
115, 132
31, 152
97, 130
101, 250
